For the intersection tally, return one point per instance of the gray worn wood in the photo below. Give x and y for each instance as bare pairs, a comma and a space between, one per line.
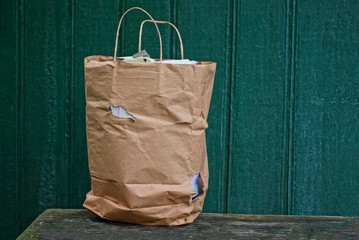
81, 224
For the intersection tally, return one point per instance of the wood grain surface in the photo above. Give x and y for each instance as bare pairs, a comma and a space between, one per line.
80, 224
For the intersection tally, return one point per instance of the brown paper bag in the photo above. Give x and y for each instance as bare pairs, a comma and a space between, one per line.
145, 127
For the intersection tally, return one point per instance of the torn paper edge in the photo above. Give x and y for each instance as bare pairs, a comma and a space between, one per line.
197, 185
121, 112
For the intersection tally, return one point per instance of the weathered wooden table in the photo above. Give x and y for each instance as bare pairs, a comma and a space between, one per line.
81, 224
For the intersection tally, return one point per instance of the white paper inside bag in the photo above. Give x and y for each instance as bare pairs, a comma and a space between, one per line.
175, 61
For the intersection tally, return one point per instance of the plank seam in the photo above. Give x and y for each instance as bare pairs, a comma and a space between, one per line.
292, 104
71, 97
20, 105
233, 18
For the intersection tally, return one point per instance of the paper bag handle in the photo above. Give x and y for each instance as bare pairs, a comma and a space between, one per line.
119, 26
161, 22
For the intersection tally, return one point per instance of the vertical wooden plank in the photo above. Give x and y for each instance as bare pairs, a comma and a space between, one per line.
45, 72
93, 33
290, 103
325, 173
257, 180
9, 111
206, 32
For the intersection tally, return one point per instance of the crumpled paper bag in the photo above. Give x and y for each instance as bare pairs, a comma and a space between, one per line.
145, 126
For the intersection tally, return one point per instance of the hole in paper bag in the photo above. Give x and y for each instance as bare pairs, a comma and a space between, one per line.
197, 185
121, 112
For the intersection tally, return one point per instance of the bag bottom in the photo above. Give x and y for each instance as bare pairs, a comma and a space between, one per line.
167, 215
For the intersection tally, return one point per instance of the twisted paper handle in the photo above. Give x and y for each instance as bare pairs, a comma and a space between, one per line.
119, 26
161, 22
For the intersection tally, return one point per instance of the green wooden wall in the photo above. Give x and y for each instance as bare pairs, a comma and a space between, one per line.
284, 119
